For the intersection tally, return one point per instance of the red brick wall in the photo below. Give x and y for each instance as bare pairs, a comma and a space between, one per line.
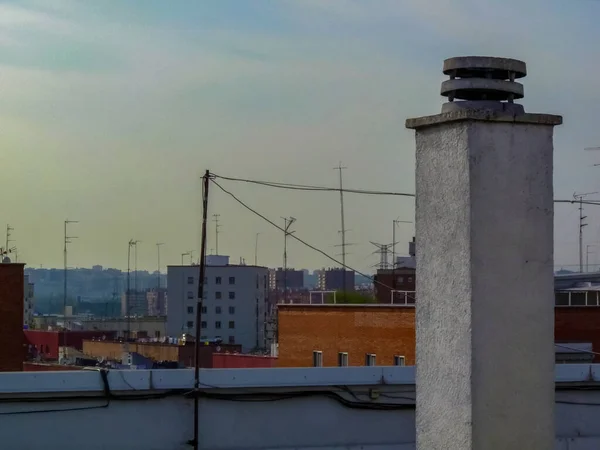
578, 324
38, 367
356, 329
12, 341
232, 361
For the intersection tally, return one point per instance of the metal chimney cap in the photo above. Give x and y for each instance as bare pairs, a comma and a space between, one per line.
484, 67
483, 82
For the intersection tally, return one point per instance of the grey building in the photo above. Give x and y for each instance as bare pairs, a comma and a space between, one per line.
233, 307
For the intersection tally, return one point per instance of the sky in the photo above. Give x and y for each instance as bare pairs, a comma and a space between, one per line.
110, 112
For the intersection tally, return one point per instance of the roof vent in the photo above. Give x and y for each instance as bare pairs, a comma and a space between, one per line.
483, 82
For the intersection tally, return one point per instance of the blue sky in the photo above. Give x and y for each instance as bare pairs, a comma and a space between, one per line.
111, 110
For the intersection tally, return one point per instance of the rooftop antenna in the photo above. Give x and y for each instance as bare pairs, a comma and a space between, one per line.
579, 198
158, 245
67, 240
288, 221
8, 239
343, 228
191, 253
132, 243
397, 221
182, 255
217, 226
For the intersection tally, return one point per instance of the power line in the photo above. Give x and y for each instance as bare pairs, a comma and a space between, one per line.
312, 247
303, 187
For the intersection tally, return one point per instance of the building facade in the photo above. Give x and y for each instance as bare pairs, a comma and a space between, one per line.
28, 303
157, 301
280, 279
135, 305
338, 335
234, 305
12, 340
335, 279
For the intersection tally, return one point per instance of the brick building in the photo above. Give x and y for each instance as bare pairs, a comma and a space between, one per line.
392, 286
12, 294
184, 354
387, 331
46, 344
346, 334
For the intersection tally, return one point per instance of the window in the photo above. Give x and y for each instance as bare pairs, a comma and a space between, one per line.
343, 359
232, 339
399, 360
231, 324
231, 280
190, 295
231, 295
204, 310
400, 280
190, 324
190, 309
232, 310
217, 280
203, 324
205, 280
410, 279
217, 310
218, 325
157, 333
317, 359
218, 295
370, 359
190, 280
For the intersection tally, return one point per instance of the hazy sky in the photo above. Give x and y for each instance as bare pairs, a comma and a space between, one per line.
111, 110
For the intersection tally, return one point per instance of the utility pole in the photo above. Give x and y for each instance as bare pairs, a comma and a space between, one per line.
256, 249
158, 245
287, 224
206, 179
343, 229
217, 226
579, 198
396, 222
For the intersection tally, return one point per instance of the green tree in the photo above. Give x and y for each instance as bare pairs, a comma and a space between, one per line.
350, 298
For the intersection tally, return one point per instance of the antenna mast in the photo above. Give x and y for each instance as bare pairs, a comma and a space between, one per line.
217, 226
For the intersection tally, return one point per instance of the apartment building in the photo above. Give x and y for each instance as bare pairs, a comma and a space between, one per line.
233, 307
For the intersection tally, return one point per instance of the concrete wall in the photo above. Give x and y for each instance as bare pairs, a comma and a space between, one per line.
307, 422
12, 294
355, 329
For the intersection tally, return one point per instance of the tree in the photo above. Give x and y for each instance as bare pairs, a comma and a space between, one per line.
350, 298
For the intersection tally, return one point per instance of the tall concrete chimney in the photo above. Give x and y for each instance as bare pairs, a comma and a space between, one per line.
484, 226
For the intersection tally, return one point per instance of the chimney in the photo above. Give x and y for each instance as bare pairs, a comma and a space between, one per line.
484, 230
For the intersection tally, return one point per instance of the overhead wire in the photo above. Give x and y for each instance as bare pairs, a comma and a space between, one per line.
312, 247
306, 187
